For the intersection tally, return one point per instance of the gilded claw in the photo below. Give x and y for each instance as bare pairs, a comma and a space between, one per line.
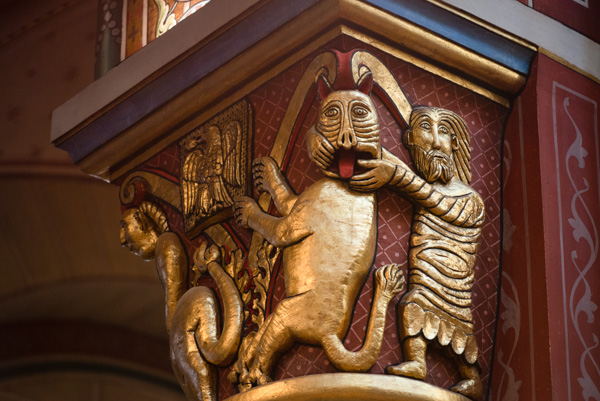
390, 279
265, 173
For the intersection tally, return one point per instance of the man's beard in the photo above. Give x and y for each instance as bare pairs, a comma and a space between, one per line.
433, 165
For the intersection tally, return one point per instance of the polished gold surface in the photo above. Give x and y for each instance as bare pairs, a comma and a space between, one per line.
145, 231
252, 84
444, 242
261, 261
328, 238
292, 42
192, 316
423, 63
324, 63
210, 108
262, 255
384, 78
196, 346
140, 228
213, 168
219, 235
348, 387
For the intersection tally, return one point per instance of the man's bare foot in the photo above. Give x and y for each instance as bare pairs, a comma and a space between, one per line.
413, 369
469, 388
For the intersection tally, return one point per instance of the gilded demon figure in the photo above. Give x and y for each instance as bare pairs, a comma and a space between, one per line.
444, 241
328, 235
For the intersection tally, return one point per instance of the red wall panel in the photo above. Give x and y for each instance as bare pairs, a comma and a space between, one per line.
547, 340
568, 120
580, 15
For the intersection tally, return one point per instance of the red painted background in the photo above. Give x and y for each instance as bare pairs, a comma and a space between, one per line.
547, 345
579, 15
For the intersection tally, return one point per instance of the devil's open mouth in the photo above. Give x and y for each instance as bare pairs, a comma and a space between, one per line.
345, 162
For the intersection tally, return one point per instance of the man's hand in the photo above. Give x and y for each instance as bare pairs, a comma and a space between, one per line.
380, 173
319, 149
243, 208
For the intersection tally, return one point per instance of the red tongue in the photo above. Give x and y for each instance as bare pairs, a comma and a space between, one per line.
346, 163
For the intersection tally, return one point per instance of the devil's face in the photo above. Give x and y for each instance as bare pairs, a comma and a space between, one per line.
348, 120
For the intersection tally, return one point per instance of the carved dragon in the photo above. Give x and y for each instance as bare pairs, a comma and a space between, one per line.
192, 316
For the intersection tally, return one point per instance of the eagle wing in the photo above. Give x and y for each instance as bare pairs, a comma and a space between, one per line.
232, 146
192, 166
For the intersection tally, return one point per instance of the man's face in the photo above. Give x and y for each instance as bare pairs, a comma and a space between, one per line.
432, 132
134, 236
431, 142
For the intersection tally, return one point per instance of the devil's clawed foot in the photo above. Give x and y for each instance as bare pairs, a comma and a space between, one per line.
390, 279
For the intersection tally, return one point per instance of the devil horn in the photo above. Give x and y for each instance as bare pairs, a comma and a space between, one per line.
323, 86
366, 83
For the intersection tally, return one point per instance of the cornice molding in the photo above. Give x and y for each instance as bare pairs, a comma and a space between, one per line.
554, 39
145, 107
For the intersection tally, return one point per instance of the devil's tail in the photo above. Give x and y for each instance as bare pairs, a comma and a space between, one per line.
389, 281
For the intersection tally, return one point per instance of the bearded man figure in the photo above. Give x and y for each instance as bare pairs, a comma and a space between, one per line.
447, 221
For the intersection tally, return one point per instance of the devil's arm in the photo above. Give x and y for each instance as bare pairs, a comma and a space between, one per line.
279, 231
268, 178
283, 195
466, 210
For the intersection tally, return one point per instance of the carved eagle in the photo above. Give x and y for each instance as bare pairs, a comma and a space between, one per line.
212, 164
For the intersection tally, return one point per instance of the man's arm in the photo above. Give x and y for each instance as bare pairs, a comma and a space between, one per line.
465, 210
